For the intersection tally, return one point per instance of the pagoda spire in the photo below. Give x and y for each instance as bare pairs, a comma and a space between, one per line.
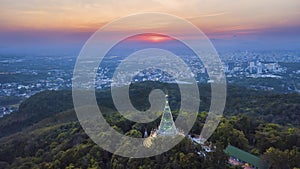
167, 126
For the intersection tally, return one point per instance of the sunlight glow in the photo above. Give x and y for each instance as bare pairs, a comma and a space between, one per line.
152, 38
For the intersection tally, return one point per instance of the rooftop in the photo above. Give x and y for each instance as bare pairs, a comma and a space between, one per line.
245, 157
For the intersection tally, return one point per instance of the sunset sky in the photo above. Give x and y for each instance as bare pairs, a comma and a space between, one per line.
67, 24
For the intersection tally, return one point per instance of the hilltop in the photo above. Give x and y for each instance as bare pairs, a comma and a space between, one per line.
45, 133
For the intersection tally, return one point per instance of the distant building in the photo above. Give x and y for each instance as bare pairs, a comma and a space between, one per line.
145, 134
196, 138
226, 68
259, 68
206, 146
271, 66
244, 159
252, 67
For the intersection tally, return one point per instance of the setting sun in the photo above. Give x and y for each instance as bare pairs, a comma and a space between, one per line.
152, 38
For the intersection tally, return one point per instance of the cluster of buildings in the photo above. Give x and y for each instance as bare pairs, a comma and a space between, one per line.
254, 69
7, 110
50, 73
55, 80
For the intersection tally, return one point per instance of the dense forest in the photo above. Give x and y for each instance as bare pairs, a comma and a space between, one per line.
45, 133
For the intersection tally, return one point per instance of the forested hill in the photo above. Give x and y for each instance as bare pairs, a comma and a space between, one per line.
44, 133
276, 108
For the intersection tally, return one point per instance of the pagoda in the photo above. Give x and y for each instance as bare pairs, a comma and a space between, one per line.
167, 126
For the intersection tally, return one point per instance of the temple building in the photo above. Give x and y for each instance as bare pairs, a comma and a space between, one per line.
167, 126
244, 159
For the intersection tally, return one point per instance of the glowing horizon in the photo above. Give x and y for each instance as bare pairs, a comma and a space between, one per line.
151, 37
213, 16
23, 22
